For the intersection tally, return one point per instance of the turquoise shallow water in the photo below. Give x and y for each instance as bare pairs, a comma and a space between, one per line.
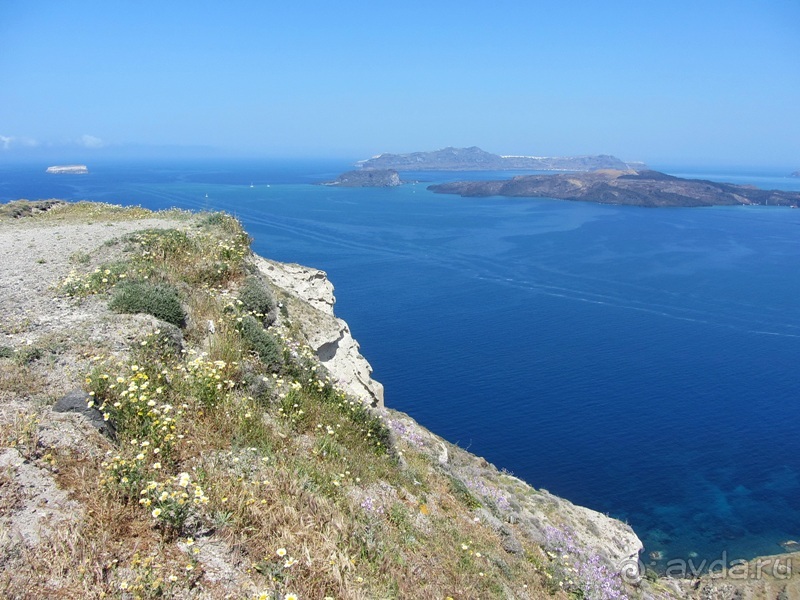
640, 362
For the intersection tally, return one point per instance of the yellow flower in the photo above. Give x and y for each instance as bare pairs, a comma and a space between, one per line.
290, 597
281, 552
156, 512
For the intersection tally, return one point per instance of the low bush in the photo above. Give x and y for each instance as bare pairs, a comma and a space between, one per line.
159, 300
260, 341
258, 300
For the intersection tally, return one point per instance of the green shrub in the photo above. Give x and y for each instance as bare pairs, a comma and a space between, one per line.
162, 244
220, 220
257, 300
30, 355
102, 279
260, 341
461, 491
159, 300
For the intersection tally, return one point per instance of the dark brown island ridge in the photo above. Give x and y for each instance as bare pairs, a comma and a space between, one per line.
628, 187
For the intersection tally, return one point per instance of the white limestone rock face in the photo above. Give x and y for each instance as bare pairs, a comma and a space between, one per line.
310, 285
309, 297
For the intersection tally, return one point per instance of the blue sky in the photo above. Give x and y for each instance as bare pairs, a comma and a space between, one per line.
681, 82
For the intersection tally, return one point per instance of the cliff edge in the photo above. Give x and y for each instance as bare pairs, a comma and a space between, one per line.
181, 418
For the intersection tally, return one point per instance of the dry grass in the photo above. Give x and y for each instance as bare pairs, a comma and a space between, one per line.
98, 556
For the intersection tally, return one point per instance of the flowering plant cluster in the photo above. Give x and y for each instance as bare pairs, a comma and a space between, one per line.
488, 492
172, 500
278, 569
406, 433
136, 403
141, 407
200, 259
579, 571
149, 578
102, 279
208, 381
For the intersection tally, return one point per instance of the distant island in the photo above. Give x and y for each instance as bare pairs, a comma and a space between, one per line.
628, 187
68, 169
795, 174
367, 178
475, 159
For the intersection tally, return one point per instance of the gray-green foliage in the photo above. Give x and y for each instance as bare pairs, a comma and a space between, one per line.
157, 299
461, 491
257, 300
260, 341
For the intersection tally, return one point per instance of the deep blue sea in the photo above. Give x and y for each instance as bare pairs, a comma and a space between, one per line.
641, 362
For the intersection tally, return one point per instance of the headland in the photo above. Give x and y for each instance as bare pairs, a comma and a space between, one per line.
625, 187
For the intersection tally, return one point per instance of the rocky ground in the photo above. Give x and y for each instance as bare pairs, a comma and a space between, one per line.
48, 339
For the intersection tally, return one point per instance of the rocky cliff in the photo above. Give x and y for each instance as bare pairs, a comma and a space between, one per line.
245, 451
309, 297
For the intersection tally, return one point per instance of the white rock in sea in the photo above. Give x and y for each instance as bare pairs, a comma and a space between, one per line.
68, 169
